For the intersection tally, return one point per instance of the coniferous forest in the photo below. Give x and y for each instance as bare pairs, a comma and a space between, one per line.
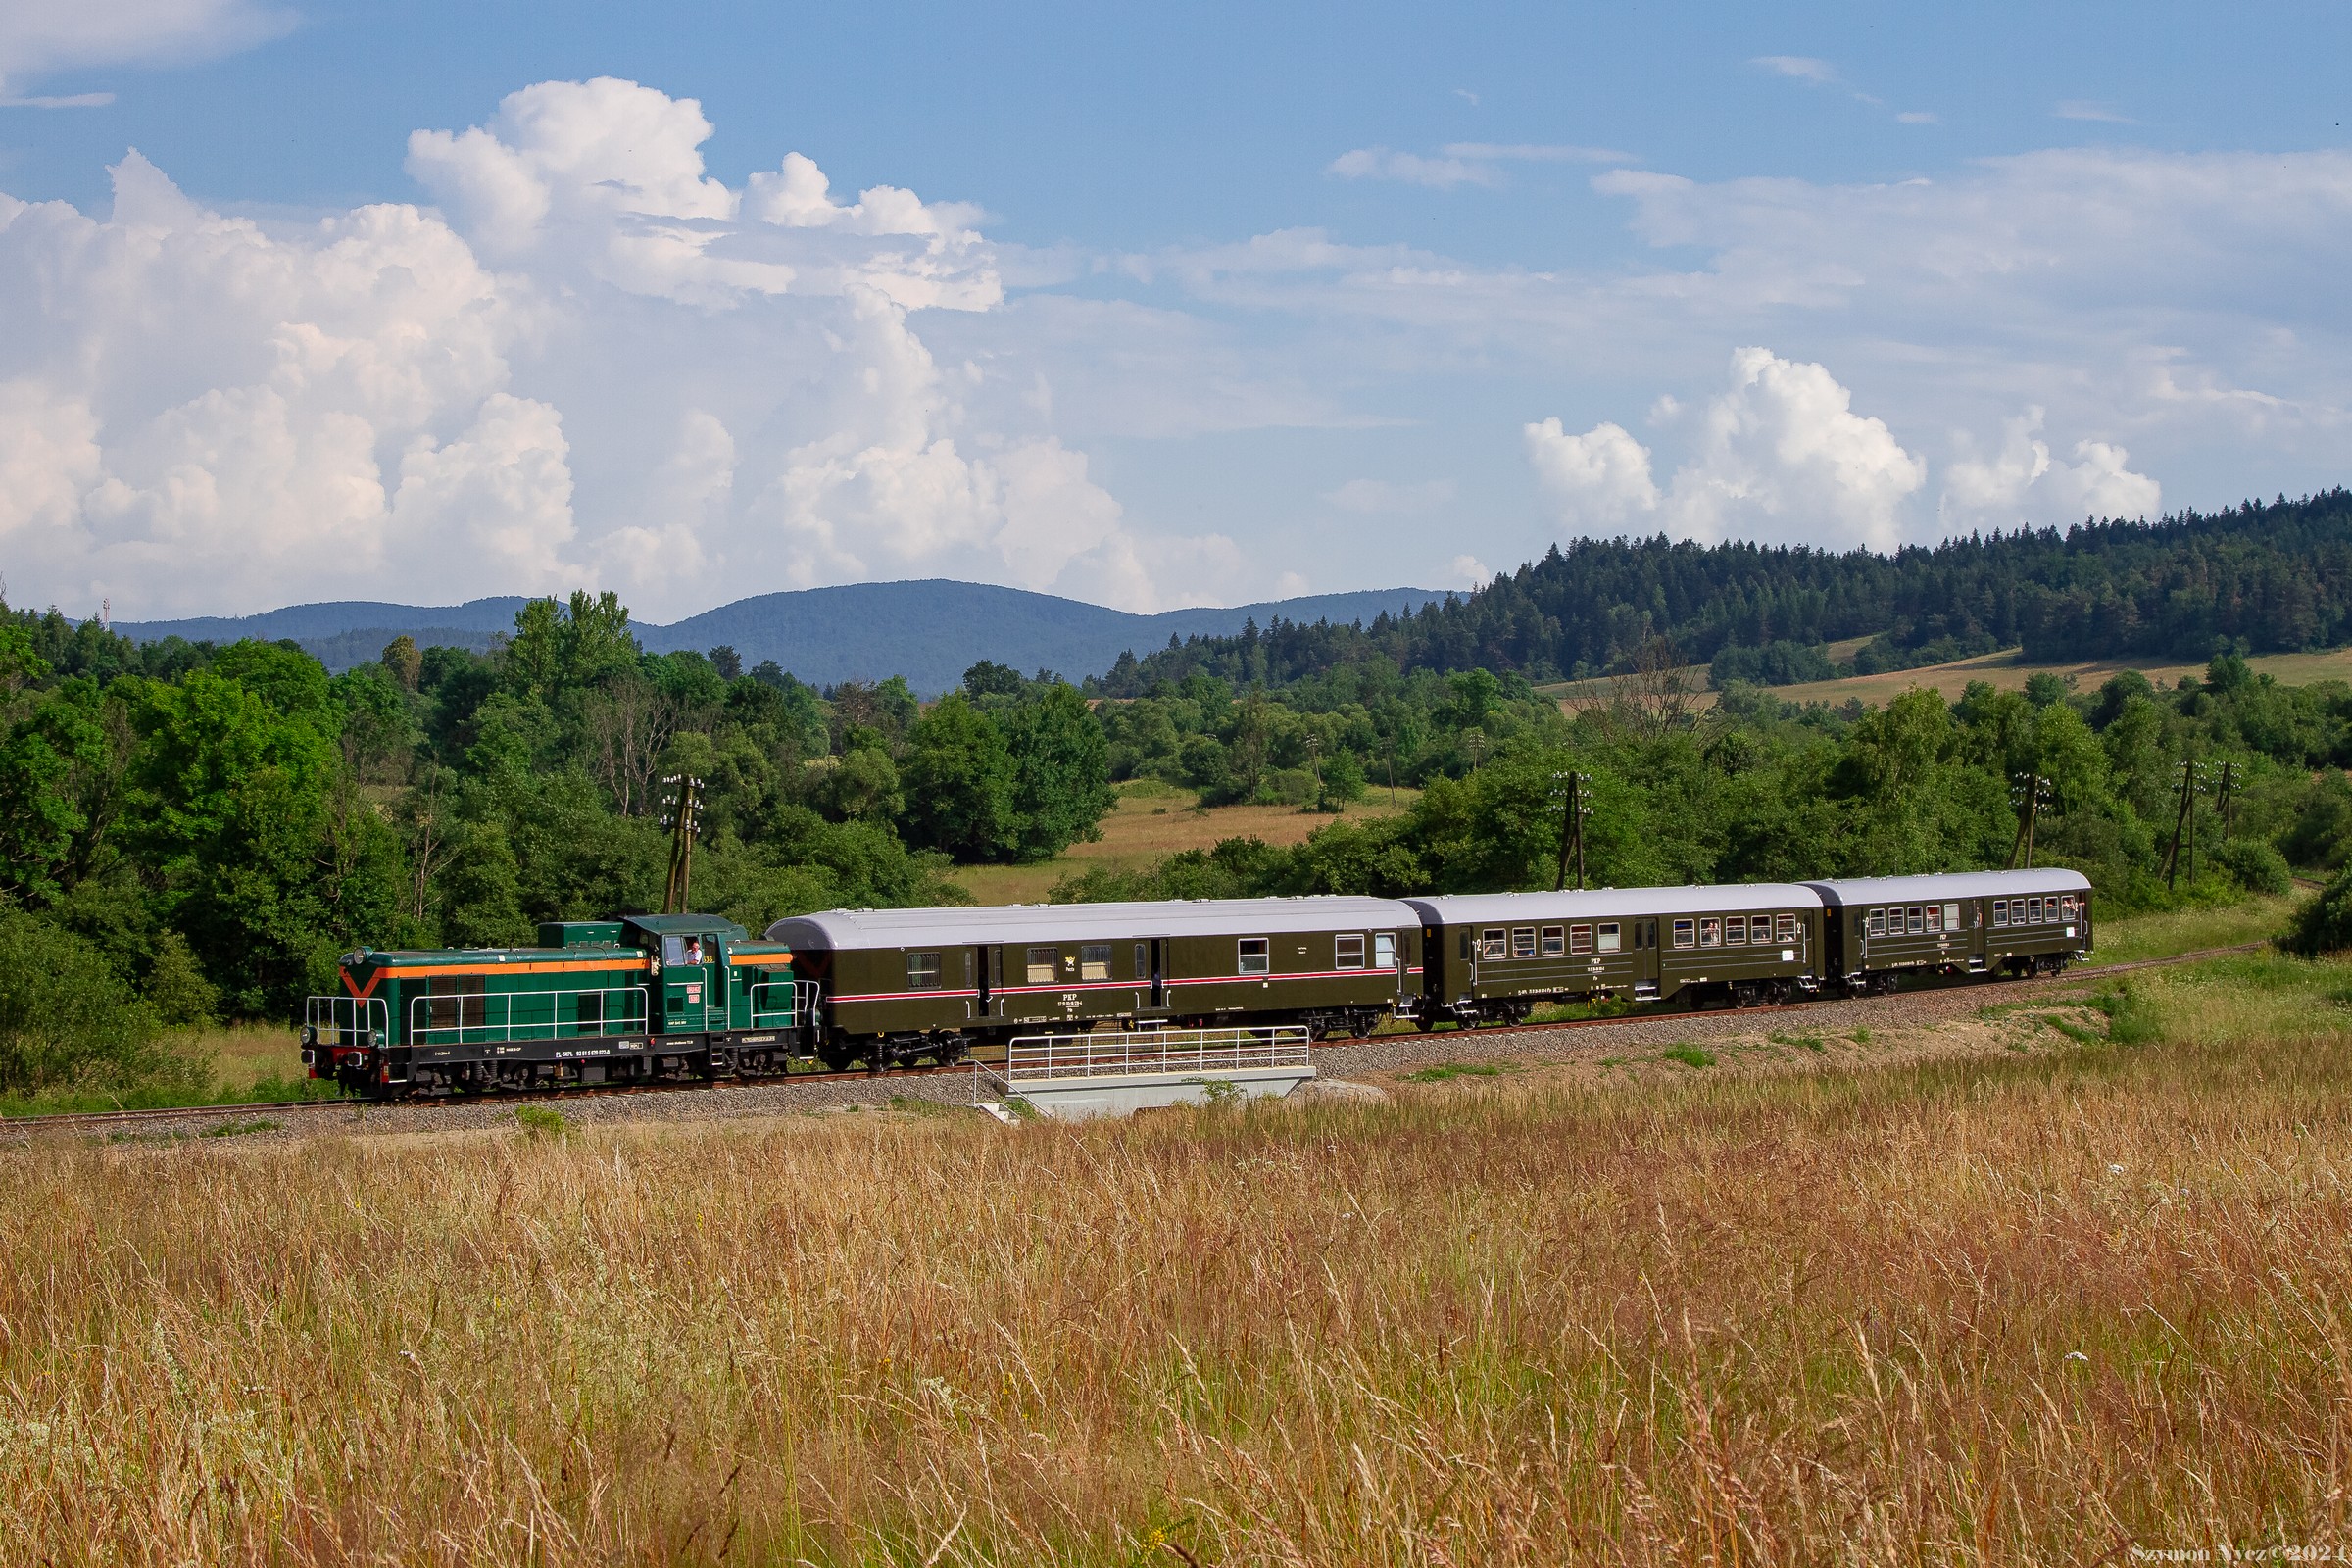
193, 832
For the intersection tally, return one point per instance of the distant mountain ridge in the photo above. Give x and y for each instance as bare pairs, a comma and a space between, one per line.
930, 630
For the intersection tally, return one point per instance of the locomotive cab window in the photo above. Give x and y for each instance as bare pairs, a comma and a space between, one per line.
1523, 942
922, 971
1608, 937
1045, 966
1683, 937
1384, 950
1348, 951
1251, 957
1094, 961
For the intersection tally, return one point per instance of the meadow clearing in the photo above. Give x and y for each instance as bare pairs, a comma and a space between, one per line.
2071, 1297
1154, 819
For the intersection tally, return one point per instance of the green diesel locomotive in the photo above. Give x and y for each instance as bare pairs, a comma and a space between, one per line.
597, 1001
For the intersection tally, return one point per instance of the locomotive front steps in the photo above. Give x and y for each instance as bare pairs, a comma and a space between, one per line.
1077, 1076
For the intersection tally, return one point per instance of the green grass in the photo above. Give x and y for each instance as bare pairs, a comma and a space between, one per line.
1445, 1070
1689, 1055
236, 1126
76, 1101
542, 1121
2131, 938
1808, 1042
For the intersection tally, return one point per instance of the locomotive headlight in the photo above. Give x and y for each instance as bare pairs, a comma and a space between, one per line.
310, 1036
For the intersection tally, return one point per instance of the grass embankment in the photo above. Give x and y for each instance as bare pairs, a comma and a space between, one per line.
2030, 1308
233, 1064
1153, 821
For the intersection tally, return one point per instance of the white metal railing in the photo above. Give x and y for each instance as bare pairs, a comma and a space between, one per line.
781, 1004
1032, 1057
332, 1020
499, 1017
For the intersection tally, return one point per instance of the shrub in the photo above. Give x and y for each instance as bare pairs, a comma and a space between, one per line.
67, 1019
2324, 925
541, 1121
1689, 1055
2256, 867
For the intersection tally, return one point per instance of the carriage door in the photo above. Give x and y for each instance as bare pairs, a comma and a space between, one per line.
1160, 972
989, 964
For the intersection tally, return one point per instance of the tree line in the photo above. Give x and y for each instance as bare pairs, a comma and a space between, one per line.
2260, 577
213, 826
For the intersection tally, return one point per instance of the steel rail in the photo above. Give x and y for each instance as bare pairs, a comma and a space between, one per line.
100, 1118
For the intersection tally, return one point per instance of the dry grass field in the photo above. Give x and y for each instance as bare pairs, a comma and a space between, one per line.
2003, 670
1152, 820
2046, 1305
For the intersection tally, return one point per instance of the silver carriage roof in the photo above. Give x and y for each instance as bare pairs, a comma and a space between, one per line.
1078, 923
1603, 903
1850, 890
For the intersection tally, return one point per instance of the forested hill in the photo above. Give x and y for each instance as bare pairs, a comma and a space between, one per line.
2265, 576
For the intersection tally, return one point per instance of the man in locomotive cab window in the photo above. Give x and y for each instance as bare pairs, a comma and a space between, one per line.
693, 950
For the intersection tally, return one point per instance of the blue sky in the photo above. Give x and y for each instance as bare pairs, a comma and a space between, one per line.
1172, 306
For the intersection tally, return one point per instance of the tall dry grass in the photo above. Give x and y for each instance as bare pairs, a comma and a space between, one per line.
2027, 1311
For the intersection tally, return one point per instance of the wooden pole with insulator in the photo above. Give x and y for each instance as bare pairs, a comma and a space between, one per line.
683, 809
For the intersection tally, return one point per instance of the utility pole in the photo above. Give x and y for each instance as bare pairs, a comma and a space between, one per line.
2225, 801
2028, 792
2185, 824
1314, 761
683, 805
1575, 803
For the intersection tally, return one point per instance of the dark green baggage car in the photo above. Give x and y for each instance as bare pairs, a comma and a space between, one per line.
898, 986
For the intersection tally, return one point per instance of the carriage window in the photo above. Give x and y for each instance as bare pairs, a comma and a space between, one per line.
1094, 961
1736, 931
1681, 935
2033, 911
1045, 964
1251, 957
2000, 911
1142, 963
1579, 938
1490, 943
1711, 931
1788, 925
1555, 942
1384, 950
1348, 951
1951, 918
1875, 924
1935, 917
1523, 942
922, 971
1609, 938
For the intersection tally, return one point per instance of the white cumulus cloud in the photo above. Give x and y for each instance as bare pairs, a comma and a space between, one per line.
1780, 455
2022, 483
592, 364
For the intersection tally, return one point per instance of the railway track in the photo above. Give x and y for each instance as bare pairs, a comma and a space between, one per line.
126, 1120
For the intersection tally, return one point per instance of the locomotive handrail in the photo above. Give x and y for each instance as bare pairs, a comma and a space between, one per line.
772, 1016
489, 1017
341, 1020
1031, 1057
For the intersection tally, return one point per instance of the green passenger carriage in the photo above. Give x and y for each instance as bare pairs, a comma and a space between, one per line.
1955, 923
